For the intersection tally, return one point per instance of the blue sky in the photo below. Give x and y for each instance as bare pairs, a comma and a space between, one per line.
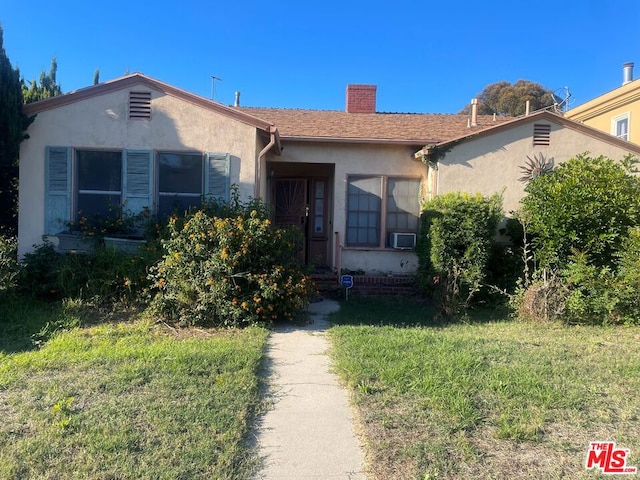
424, 56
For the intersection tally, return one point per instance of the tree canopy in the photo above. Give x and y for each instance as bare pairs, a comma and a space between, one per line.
586, 204
504, 98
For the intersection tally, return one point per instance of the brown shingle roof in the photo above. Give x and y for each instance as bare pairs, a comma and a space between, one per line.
333, 125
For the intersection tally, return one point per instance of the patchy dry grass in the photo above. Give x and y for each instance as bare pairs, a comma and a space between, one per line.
128, 401
487, 399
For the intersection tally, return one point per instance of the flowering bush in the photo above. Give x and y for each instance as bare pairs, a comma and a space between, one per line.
232, 271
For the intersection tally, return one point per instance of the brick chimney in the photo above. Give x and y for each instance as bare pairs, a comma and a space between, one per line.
361, 98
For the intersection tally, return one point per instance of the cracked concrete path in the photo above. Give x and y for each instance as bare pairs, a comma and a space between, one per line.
308, 433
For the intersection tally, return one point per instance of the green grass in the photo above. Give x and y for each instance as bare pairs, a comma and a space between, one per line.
485, 399
124, 400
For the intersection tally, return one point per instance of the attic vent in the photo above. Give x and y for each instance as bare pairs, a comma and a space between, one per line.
140, 105
541, 134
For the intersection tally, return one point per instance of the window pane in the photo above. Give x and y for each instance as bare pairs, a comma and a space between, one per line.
180, 172
363, 211
178, 204
99, 170
622, 128
91, 204
402, 205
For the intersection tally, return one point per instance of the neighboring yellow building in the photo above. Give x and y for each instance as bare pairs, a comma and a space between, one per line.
616, 112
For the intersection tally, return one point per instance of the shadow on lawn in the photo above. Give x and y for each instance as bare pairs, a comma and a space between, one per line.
27, 323
23, 321
408, 312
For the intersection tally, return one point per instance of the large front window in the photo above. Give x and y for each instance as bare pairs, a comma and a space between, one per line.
364, 209
99, 182
372, 222
180, 182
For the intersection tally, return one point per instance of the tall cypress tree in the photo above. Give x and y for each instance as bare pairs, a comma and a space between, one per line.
13, 124
12, 121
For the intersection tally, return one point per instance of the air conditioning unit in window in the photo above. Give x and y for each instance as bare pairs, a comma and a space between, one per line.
403, 241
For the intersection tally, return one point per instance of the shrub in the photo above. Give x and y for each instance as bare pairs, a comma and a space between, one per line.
629, 276
105, 274
592, 292
38, 274
228, 271
457, 234
9, 267
587, 204
586, 293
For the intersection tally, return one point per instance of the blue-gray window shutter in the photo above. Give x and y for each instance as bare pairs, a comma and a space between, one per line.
216, 178
57, 189
138, 180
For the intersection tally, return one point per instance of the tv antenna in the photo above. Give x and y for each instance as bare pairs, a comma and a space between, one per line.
213, 79
560, 104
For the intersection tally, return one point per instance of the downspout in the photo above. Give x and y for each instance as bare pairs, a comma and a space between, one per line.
273, 133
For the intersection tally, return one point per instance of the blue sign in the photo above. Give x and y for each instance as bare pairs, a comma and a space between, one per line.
346, 281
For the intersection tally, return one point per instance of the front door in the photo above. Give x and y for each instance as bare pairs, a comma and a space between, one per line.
292, 208
302, 203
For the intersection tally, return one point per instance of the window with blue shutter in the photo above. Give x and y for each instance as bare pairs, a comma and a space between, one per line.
57, 189
217, 183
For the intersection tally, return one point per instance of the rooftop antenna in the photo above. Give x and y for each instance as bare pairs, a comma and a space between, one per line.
560, 104
213, 79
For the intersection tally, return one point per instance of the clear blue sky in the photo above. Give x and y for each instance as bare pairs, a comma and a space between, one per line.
424, 56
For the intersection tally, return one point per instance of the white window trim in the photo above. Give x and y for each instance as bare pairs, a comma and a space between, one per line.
618, 118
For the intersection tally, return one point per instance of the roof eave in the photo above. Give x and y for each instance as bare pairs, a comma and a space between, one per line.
620, 95
357, 140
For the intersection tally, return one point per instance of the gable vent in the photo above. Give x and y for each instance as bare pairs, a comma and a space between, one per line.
541, 134
140, 105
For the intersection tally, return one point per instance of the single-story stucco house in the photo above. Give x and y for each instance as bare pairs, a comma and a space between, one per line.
351, 180
348, 178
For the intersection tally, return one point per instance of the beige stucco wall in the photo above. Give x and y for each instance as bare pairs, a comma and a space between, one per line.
102, 122
359, 159
491, 164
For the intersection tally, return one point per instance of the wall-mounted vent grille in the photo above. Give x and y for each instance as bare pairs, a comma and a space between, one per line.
140, 105
541, 134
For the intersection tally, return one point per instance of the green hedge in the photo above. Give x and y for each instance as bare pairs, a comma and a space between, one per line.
456, 240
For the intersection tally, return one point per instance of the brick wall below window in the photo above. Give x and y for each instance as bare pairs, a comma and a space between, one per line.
364, 285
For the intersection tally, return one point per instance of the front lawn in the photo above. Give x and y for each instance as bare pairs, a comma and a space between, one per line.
487, 399
125, 400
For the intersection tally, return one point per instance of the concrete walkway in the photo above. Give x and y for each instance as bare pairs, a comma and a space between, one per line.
308, 433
